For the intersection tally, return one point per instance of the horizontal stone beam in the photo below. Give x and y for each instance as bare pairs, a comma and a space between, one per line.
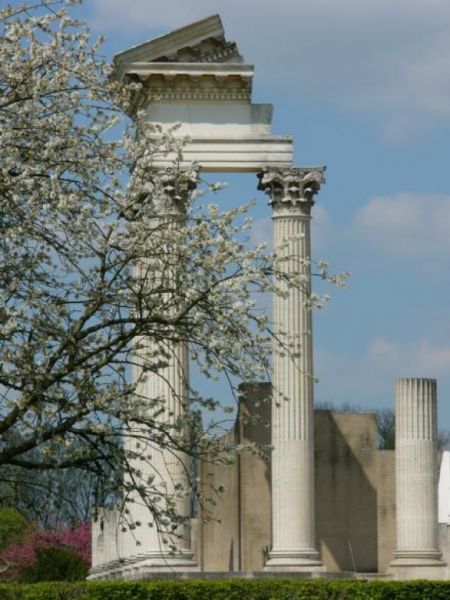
241, 156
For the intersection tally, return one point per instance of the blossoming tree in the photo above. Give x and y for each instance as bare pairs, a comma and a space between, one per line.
77, 195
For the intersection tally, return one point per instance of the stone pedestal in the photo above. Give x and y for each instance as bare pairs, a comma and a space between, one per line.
293, 517
417, 554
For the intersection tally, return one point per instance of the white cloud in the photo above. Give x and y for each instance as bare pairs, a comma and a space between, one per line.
420, 358
322, 231
367, 379
382, 352
388, 58
414, 225
347, 377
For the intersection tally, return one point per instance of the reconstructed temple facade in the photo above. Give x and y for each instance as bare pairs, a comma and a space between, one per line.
327, 500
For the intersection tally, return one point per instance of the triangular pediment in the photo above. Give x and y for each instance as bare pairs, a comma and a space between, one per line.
202, 41
195, 85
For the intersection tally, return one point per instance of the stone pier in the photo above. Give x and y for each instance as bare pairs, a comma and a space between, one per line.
417, 554
291, 194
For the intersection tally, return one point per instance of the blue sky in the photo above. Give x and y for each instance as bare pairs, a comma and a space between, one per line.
364, 87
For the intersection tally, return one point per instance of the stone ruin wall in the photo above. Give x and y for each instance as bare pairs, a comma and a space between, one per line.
355, 496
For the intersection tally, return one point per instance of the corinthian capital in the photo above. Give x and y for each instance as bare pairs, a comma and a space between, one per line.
172, 188
291, 188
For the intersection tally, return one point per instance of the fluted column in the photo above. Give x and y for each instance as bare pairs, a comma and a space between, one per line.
416, 475
291, 194
167, 469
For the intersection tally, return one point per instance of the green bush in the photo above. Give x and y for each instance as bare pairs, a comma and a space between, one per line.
230, 589
54, 563
13, 526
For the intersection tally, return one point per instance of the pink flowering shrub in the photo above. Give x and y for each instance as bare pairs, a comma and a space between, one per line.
23, 554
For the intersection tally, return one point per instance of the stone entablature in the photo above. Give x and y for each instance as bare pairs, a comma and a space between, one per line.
193, 82
196, 78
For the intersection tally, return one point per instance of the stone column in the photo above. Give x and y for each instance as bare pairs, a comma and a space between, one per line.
145, 546
291, 194
417, 553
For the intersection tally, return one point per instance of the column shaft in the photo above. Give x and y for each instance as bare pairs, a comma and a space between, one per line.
293, 510
170, 469
416, 473
167, 467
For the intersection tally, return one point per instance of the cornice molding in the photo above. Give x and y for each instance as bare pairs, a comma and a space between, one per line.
225, 52
195, 96
202, 41
169, 43
210, 50
216, 82
191, 69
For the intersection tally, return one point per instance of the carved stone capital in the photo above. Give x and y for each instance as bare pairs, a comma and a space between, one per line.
292, 188
172, 189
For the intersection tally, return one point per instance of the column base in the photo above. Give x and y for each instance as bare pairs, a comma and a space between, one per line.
418, 564
306, 559
145, 566
405, 558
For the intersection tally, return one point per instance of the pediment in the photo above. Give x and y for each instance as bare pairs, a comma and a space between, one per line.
195, 84
202, 41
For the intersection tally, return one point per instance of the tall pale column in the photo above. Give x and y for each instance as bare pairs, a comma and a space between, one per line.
291, 194
416, 479
167, 468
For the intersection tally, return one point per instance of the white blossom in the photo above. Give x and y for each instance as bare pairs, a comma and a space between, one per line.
92, 284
